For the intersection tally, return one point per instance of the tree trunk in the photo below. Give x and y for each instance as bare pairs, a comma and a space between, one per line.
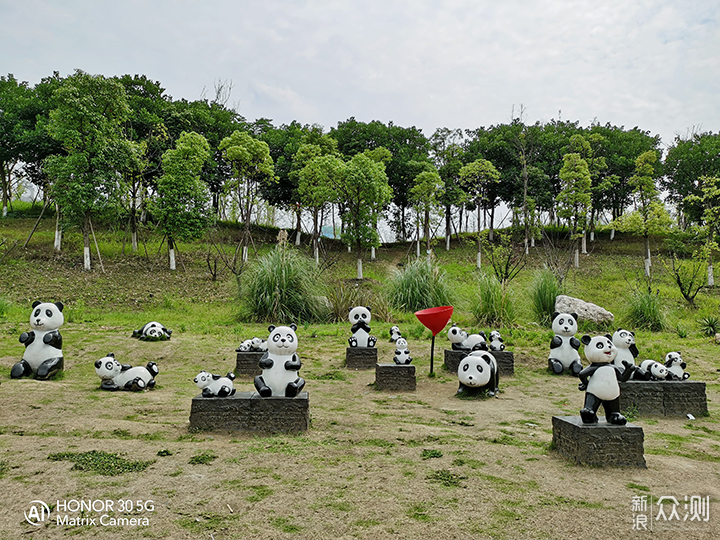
171, 253
648, 262
298, 226
584, 243
86, 244
491, 236
58, 231
448, 226
479, 244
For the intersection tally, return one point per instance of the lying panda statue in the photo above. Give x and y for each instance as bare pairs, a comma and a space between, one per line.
43, 357
478, 373
402, 353
462, 341
650, 370
152, 331
676, 367
115, 376
600, 380
360, 317
215, 385
280, 364
255, 344
564, 346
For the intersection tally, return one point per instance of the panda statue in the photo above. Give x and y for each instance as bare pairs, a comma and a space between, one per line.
624, 341
402, 353
478, 373
215, 385
394, 333
496, 341
43, 357
255, 344
116, 376
244, 346
650, 370
600, 380
462, 341
360, 317
280, 364
152, 331
676, 367
564, 346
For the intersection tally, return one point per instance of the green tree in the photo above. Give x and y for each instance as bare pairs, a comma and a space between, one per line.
182, 205
478, 179
709, 200
447, 153
425, 194
575, 197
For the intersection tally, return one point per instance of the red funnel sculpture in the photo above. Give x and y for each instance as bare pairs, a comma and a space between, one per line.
434, 320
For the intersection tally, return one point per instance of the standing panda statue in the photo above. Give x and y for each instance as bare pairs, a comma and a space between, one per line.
43, 357
360, 317
624, 341
600, 380
564, 346
402, 353
280, 364
478, 373
676, 367
462, 341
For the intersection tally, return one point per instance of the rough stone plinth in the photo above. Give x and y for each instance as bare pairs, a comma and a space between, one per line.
247, 364
360, 357
599, 445
664, 398
505, 361
247, 411
395, 377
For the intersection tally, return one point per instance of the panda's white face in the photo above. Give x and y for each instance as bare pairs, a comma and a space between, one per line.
673, 358
107, 368
474, 369
46, 317
564, 325
203, 379
401, 343
623, 339
282, 341
600, 350
658, 371
456, 334
494, 335
358, 314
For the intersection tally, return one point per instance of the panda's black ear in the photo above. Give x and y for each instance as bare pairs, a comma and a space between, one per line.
368, 308
574, 316
555, 314
608, 336
271, 328
36, 303
586, 339
293, 326
60, 306
632, 333
350, 309
111, 354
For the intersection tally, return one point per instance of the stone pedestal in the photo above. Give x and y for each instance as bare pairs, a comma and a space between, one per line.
247, 411
247, 364
505, 361
360, 357
664, 398
599, 445
395, 377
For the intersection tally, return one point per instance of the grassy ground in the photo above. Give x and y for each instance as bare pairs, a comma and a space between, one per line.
373, 464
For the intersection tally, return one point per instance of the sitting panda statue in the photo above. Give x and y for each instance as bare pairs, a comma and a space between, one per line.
152, 331
116, 376
462, 341
600, 380
624, 341
478, 373
215, 385
496, 341
564, 346
360, 317
650, 370
394, 333
676, 367
402, 353
43, 357
280, 364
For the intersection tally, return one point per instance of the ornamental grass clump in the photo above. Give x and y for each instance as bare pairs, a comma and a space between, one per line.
280, 287
645, 311
419, 285
544, 290
492, 305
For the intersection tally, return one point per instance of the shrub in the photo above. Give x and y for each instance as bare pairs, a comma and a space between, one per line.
645, 311
710, 325
342, 297
282, 286
493, 305
419, 285
544, 290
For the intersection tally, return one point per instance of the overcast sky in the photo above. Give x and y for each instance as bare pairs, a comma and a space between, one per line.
654, 64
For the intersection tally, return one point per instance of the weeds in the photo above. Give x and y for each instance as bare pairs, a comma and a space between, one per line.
493, 305
709, 326
203, 458
544, 290
101, 462
419, 285
645, 311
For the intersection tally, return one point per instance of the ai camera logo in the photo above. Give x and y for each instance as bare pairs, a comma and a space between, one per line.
39, 512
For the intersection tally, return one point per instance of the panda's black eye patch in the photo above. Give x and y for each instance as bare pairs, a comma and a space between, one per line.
108, 365
600, 345
37, 312
276, 338
49, 313
290, 338
561, 321
466, 367
357, 316
480, 368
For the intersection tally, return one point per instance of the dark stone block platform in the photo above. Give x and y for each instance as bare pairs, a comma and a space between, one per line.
396, 377
505, 361
247, 364
247, 411
360, 357
664, 398
599, 445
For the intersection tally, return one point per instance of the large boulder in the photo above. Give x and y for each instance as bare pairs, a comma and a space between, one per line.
586, 311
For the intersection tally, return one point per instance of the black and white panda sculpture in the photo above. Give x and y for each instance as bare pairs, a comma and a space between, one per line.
280, 364
462, 341
624, 341
215, 385
676, 367
255, 344
152, 331
43, 357
116, 376
478, 373
360, 317
394, 333
564, 346
496, 341
402, 353
600, 380
650, 370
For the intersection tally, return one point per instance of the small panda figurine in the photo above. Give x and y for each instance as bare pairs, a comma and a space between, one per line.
215, 385
676, 367
244, 346
496, 341
360, 317
402, 353
600, 380
43, 357
125, 377
394, 333
624, 341
477, 373
564, 346
258, 345
280, 364
462, 341
650, 370
152, 331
